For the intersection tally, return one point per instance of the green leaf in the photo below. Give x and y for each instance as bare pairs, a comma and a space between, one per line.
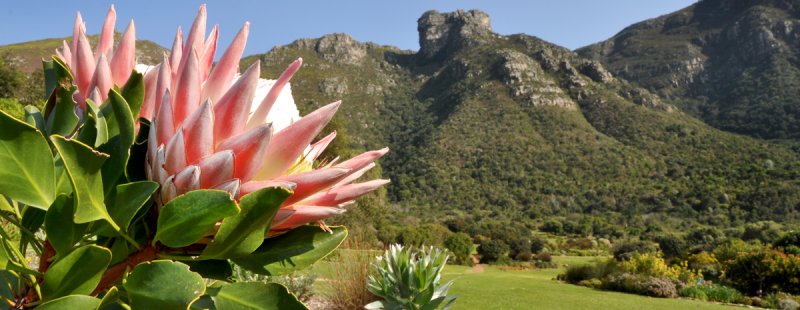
111, 297
163, 284
9, 283
133, 92
62, 119
212, 269
77, 273
6, 205
50, 78
294, 250
83, 168
119, 120
190, 217
128, 200
3, 258
62, 232
71, 302
255, 295
27, 173
34, 117
242, 234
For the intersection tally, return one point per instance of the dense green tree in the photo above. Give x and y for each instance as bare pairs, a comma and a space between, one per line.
460, 245
491, 250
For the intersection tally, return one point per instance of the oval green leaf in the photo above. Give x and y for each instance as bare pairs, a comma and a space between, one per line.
190, 217
27, 172
255, 295
71, 302
77, 273
83, 165
62, 232
242, 234
294, 250
163, 284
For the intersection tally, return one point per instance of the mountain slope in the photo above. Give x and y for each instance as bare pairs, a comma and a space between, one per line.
734, 64
513, 127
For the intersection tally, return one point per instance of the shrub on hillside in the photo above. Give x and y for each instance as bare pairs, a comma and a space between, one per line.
537, 244
460, 245
707, 264
578, 273
552, 226
764, 231
520, 248
491, 250
671, 245
653, 265
625, 250
789, 243
642, 285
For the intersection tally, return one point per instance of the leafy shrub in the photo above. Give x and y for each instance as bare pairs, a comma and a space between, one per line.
537, 244
789, 243
728, 250
578, 273
765, 271
706, 263
552, 226
425, 234
544, 260
713, 292
408, 279
300, 283
642, 285
491, 250
625, 250
764, 231
671, 245
523, 256
520, 248
653, 265
460, 245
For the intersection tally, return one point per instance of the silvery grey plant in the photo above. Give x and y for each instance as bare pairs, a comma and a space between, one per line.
410, 280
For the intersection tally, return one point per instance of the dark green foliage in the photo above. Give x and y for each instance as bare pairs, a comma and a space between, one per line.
460, 246
764, 231
626, 250
671, 245
552, 226
425, 234
491, 250
521, 248
712, 292
765, 271
704, 239
537, 244
789, 243
578, 273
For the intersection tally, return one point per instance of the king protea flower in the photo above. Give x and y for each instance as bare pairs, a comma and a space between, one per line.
96, 72
213, 130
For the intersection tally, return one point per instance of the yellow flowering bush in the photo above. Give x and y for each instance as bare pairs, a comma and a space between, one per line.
650, 264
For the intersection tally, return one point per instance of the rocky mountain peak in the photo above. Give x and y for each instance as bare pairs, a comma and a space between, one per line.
443, 33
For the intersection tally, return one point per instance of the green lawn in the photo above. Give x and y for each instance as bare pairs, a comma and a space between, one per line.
536, 289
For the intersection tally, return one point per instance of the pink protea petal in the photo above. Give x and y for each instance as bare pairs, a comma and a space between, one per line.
95, 97
360, 161
198, 129
176, 53
77, 30
311, 182
159, 171
281, 216
194, 41
249, 147
231, 187
168, 190
343, 194
288, 144
84, 64
232, 109
266, 105
207, 57
187, 180
187, 91
216, 168
106, 42
148, 108
306, 214
354, 175
163, 81
65, 54
318, 147
221, 76
163, 122
175, 153
125, 56
102, 79
253, 186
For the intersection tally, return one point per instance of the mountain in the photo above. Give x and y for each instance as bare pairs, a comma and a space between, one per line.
734, 64
27, 56
486, 126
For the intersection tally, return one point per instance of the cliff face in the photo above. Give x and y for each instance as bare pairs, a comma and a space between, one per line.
734, 64
512, 126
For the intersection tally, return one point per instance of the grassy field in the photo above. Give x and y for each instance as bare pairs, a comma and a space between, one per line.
535, 289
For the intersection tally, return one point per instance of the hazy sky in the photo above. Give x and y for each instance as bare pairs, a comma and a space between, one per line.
570, 23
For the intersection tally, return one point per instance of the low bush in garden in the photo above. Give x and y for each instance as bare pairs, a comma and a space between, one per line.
641, 284
712, 292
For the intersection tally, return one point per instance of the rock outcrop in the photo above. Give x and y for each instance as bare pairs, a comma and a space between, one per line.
442, 34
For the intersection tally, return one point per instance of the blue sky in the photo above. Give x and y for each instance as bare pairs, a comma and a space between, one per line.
570, 23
